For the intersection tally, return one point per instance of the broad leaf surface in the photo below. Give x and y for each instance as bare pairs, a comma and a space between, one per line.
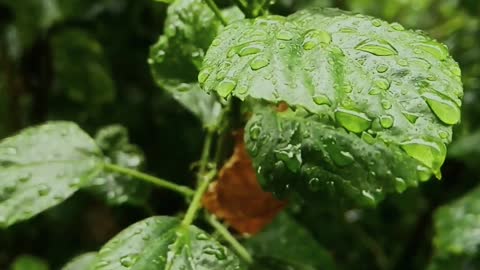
163, 243
361, 77
177, 56
81, 262
287, 243
42, 166
457, 226
117, 188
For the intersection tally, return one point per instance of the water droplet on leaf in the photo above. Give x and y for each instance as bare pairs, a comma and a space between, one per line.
226, 87
386, 121
352, 120
321, 99
446, 110
259, 62
376, 47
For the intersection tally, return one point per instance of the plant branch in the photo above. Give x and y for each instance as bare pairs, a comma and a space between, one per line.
244, 8
211, 4
223, 231
186, 191
204, 179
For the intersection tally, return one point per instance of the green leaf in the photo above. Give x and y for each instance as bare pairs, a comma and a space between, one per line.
177, 56
164, 243
287, 243
88, 81
81, 262
41, 167
456, 226
27, 262
392, 92
116, 188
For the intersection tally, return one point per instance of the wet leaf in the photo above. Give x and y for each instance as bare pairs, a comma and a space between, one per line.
176, 58
116, 188
288, 244
237, 196
27, 262
382, 85
42, 166
164, 243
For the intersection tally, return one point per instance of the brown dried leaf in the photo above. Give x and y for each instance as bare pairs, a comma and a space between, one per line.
237, 197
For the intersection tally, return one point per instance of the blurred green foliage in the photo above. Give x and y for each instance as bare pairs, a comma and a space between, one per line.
86, 61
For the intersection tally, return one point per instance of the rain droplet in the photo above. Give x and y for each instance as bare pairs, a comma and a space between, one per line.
423, 173
376, 22
321, 99
400, 185
368, 138
284, 35
403, 62
436, 49
129, 260
315, 37
386, 121
352, 120
456, 70
255, 132
411, 117
446, 110
226, 87
396, 26
347, 88
202, 236
259, 62
382, 68
429, 153
314, 184
443, 134
251, 49
371, 200
386, 104
376, 47
341, 158
25, 177
291, 155
203, 75
382, 83
43, 190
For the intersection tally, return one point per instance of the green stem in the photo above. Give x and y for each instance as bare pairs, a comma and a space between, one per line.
186, 191
204, 180
244, 8
211, 4
223, 231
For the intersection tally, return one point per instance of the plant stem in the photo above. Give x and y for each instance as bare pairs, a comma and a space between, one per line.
186, 191
223, 231
244, 8
211, 4
204, 179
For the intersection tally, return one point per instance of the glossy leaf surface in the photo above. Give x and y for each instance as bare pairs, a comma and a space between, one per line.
81, 262
375, 80
177, 56
41, 167
163, 243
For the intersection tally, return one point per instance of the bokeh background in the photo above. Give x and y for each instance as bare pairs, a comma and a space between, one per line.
86, 61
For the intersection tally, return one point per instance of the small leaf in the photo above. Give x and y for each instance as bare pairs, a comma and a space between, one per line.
237, 196
115, 188
347, 74
81, 262
27, 262
290, 245
176, 58
163, 243
42, 166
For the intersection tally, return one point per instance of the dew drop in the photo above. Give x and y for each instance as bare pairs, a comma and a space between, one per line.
397, 26
376, 22
386, 104
259, 62
352, 120
382, 83
423, 173
371, 200
429, 153
314, 184
376, 47
456, 70
255, 132
436, 49
382, 68
43, 190
386, 121
446, 110
25, 177
314, 37
203, 75
341, 158
368, 138
225, 87
284, 35
291, 155
411, 117
443, 134
129, 260
321, 99
400, 185
202, 236
251, 49
403, 62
